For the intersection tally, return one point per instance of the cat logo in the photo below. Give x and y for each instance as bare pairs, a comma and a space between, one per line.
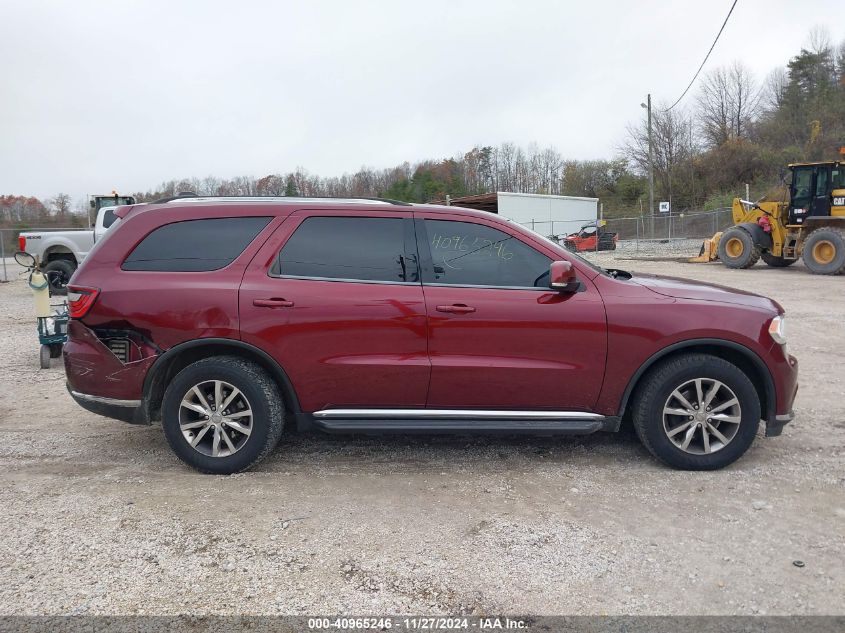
839, 202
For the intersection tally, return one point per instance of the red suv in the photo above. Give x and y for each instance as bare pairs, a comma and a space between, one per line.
223, 318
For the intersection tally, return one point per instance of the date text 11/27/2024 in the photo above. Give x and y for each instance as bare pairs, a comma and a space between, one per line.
416, 623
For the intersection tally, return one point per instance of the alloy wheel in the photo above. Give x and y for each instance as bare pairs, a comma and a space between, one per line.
215, 418
701, 416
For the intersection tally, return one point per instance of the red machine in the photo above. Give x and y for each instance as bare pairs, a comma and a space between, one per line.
591, 237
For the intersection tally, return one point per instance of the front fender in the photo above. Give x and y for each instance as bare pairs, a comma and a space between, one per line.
770, 404
760, 237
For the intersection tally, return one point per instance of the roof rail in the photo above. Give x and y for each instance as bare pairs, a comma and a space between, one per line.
189, 195
178, 196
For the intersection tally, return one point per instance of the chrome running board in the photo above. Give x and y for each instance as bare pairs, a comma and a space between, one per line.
456, 413
378, 421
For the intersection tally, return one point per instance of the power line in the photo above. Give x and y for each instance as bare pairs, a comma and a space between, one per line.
706, 57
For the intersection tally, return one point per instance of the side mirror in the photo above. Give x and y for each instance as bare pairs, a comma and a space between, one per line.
562, 277
25, 259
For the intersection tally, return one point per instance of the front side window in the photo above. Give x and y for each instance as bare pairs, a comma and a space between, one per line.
346, 248
465, 253
194, 245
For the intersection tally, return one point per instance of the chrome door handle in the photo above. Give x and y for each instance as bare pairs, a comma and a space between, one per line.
272, 303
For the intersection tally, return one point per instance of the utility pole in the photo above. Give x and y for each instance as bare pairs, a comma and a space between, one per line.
647, 106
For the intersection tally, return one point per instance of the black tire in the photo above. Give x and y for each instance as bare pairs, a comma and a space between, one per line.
45, 357
737, 249
824, 251
264, 399
570, 245
58, 273
654, 391
55, 350
776, 262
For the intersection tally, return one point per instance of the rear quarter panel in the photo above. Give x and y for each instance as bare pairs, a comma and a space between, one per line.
168, 308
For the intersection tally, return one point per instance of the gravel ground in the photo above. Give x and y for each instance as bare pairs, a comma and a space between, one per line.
98, 517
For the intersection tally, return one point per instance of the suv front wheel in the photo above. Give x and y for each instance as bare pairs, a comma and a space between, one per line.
696, 412
222, 414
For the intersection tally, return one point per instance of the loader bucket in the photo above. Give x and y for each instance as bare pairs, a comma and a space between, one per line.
709, 250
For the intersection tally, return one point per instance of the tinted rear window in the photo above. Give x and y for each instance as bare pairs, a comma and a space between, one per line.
195, 245
366, 249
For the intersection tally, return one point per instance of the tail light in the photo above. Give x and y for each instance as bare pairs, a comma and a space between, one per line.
80, 299
21, 242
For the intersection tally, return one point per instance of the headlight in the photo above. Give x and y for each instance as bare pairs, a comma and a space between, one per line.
777, 329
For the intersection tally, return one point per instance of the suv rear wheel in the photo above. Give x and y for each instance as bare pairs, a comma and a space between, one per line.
696, 412
222, 414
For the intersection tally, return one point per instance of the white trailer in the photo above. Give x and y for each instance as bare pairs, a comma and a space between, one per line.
546, 214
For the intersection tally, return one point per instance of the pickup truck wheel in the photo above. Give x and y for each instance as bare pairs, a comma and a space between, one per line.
696, 412
58, 273
222, 414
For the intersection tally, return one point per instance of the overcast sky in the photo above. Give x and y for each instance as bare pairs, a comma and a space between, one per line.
121, 94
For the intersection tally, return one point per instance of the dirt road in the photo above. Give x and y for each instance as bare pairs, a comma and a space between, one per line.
99, 517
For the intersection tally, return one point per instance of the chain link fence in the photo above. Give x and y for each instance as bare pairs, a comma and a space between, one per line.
658, 235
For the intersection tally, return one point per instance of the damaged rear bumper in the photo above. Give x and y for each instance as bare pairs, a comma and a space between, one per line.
101, 382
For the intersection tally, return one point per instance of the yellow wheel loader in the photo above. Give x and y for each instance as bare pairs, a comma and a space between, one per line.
809, 226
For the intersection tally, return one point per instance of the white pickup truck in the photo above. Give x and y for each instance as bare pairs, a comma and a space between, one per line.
61, 252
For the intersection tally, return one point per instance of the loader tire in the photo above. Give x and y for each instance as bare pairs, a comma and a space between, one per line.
824, 251
737, 249
776, 262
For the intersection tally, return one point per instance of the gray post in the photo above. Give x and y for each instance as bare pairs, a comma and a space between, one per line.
650, 170
637, 242
3, 254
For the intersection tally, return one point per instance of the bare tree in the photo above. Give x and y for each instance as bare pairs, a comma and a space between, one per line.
819, 39
61, 205
775, 89
673, 141
271, 185
728, 103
